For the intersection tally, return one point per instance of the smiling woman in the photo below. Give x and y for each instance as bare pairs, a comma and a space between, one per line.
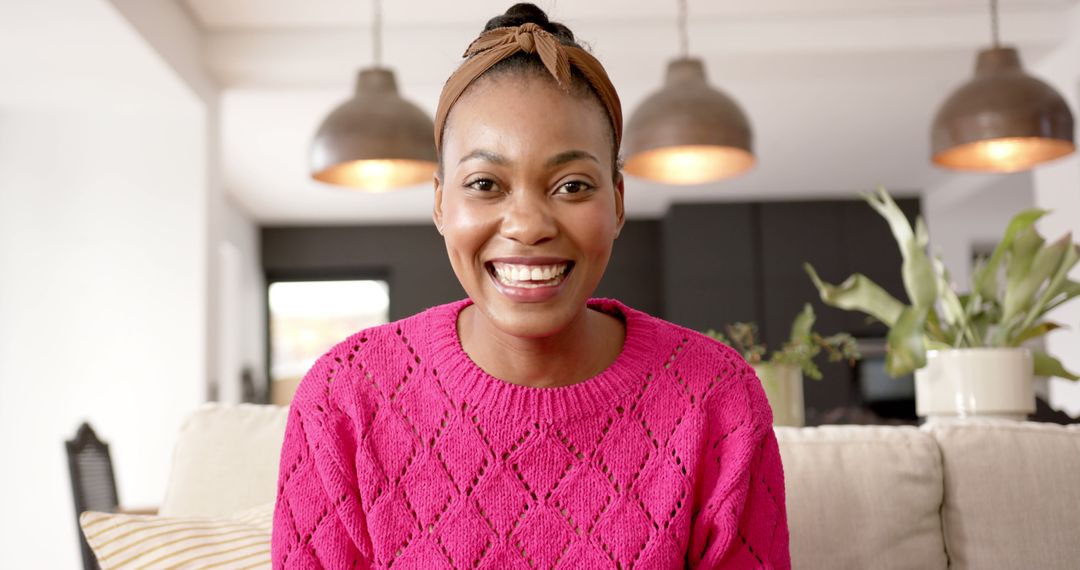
530, 425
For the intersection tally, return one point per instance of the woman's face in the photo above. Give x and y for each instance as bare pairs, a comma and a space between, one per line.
526, 201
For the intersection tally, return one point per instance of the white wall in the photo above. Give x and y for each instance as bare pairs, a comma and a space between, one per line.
235, 335
101, 297
1057, 188
960, 223
103, 269
241, 304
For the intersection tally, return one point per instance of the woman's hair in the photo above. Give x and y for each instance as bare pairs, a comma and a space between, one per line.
530, 63
526, 13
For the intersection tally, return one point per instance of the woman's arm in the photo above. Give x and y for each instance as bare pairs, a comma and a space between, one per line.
317, 519
743, 518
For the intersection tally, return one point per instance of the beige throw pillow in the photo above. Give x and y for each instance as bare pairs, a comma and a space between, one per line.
122, 541
863, 497
1012, 494
225, 460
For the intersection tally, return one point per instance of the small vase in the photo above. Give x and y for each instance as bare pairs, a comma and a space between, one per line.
783, 387
976, 382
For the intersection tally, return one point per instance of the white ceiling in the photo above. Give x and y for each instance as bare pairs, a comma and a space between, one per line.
840, 92
57, 55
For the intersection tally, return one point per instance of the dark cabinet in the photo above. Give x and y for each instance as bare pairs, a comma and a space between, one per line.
710, 264
744, 262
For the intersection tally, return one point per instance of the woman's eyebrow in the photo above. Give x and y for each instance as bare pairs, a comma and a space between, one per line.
487, 155
570, 156
557, 160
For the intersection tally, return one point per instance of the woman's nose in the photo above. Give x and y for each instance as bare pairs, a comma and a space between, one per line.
528, 218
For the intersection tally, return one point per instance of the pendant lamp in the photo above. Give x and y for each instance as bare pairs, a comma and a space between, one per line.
1003, 120
375, 141
688, 132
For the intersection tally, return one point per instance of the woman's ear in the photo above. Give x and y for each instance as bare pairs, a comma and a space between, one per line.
620, 210
436, 211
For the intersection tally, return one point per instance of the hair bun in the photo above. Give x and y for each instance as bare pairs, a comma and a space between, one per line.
528, 13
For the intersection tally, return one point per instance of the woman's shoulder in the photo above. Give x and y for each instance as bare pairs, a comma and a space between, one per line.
402, 332
726, 384
377, 352
687, 345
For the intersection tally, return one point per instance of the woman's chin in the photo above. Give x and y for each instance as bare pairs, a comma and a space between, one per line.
530, 320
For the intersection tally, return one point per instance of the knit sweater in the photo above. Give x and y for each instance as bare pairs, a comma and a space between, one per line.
401, 452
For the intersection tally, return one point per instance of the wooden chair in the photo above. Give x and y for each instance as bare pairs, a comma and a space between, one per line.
93, 484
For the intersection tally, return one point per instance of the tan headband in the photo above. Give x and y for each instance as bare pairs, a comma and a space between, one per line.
496, 45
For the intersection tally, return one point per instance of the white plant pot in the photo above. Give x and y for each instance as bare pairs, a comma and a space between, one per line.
783, 387
970, 382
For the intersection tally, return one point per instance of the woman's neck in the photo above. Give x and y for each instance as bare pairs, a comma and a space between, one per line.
580, 351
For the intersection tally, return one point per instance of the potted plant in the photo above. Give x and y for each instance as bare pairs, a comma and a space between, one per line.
967, 348
781, 373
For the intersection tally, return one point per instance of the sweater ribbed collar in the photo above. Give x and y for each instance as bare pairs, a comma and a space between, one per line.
467, 382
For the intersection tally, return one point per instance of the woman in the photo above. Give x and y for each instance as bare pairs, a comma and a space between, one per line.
529, 425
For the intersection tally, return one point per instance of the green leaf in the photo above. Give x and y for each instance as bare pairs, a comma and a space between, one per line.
717, 335
922, 234
1069, 260
1046, 365
858, 293
1069, 290
952, 308
920, 281
1034, 332
980, 324
935, 330
1021, 288
887, 208
1021, 255
985, 276
906, 347
982, 281
917, 271
803, 324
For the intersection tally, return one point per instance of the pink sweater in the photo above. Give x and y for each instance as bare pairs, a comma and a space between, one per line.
401, 452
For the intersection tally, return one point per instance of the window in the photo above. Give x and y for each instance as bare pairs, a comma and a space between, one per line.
307, 318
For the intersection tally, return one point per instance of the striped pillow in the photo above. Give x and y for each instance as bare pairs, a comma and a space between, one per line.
139, 541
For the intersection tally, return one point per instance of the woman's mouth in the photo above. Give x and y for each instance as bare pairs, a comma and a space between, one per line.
529, 276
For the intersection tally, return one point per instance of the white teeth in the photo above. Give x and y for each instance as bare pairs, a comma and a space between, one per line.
529, 275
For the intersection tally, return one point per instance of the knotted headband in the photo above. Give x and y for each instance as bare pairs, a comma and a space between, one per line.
493, 46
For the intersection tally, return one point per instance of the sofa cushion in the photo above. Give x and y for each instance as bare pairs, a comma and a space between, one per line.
225, 460
236, 542
1012, 493
863, 497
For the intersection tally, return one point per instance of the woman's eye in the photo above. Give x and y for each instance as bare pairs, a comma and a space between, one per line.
482, 184
573, 187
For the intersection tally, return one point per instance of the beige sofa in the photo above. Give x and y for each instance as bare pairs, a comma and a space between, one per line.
974, 495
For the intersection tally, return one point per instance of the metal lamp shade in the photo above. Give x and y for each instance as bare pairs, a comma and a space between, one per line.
375, 141
1003, 120
688, 132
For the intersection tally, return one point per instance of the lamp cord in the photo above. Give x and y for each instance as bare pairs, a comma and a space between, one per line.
376, 34
994, 23
684, 37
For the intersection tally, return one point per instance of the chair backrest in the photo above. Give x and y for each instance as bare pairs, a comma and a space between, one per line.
93, 484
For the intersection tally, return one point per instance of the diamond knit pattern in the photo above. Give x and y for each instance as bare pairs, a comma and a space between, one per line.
400, 452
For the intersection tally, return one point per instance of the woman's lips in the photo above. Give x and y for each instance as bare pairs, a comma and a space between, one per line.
537, 280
